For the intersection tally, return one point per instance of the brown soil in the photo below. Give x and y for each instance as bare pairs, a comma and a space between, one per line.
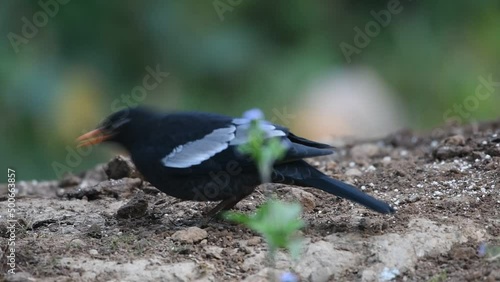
445, 187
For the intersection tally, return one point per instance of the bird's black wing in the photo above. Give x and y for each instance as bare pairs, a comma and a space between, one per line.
201, 143
301, 148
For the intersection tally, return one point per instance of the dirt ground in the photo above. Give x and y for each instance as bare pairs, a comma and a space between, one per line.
445, 186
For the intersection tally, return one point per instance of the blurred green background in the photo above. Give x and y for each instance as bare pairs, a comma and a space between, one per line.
226, 56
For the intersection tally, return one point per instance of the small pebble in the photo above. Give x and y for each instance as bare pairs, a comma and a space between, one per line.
94, 231
190, 235
353, 172
256, 240
53, 228
135, 208
77, 243
413, 198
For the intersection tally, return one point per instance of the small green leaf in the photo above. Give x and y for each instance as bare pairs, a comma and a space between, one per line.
276, 221
237, 217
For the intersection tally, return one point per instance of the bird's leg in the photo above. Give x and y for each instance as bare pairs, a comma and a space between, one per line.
225, 205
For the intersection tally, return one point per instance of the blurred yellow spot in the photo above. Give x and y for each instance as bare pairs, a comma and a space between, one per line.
79, 108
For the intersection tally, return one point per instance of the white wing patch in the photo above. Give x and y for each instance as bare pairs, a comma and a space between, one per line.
243, 125
195, 152
198, 151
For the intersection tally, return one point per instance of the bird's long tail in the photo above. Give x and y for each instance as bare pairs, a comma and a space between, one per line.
305, 175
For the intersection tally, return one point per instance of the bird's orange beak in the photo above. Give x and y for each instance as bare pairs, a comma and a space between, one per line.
93, 137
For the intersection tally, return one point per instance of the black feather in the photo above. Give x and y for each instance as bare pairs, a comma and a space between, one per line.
303, 174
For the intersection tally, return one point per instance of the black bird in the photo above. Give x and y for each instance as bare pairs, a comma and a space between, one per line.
194, 156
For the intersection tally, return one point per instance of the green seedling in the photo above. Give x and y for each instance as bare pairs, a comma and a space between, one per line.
262, 150
277, 221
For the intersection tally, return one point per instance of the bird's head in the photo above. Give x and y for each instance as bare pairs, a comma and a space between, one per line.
121, 127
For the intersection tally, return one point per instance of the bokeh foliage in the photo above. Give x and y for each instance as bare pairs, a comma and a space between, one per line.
64, 80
